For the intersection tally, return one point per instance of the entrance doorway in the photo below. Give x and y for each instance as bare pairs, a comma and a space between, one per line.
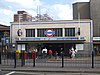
56, 47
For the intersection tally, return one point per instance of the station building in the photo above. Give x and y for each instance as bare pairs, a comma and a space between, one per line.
53, 35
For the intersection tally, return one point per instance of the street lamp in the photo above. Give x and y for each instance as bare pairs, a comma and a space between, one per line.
91, 35
91, 42
13, 45
78, 25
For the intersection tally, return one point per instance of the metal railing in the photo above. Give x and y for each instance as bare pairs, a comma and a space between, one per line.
31, 59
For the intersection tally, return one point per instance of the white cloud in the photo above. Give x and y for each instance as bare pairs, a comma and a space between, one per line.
56, 11
31, 12
62, 12
26, 3
74, 1
6, 16
7, 12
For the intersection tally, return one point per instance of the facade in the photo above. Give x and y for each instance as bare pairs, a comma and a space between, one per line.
22, 16
90, 10
4, 36
95, 15
81, 9
52, 35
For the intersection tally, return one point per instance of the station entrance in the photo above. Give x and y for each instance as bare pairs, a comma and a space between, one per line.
58, 47
55, 46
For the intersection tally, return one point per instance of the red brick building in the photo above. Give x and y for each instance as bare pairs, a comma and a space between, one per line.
22, 16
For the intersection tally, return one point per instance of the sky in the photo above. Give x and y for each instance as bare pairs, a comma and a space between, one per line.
56, 9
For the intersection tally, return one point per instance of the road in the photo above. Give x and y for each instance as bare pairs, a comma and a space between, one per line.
34, 73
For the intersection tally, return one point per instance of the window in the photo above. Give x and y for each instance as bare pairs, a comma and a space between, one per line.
30, 32
40, 32
69, 31
21, 47
58, 32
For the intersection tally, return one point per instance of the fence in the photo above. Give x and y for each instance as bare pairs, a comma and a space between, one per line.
32, 60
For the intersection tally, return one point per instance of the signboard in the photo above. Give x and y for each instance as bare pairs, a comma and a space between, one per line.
49, 32
50, 38
19, 32
7, 41
79, 46
96, 38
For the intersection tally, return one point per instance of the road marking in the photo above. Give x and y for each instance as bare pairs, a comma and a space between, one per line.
28, 73
10, 73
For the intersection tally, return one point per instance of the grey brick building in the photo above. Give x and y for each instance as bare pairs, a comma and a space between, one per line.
90, 10
83, 8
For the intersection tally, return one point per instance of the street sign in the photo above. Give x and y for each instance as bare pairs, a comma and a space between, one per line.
2, 38
7, 41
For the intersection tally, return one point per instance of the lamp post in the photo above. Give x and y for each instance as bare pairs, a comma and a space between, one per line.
78, 25
91, 35
1, 52
91, 42
13, 46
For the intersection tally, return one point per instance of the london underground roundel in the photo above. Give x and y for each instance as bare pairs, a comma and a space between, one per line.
49, 32
19, 32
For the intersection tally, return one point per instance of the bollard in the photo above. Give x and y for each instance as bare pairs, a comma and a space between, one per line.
25, 55
33, 57
22, 59
62, 60
92, 59
0, 57
14, 59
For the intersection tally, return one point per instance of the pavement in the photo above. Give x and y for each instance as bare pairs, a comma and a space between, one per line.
49, 69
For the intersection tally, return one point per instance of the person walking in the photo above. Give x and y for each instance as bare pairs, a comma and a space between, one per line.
73, 53
56, 55
50, 54
76, 54
70, 53
44, 53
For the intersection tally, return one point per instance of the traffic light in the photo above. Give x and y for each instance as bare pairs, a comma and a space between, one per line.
78, 31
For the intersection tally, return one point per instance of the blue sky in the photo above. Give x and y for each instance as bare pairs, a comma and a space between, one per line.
57, 9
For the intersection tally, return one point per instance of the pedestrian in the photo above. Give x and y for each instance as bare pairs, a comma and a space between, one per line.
70, 52
50, 54
76, 55
35, 50
44, 53
56, 55
73, 53
62, 52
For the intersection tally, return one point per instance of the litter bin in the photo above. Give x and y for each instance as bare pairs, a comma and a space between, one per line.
18, 54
